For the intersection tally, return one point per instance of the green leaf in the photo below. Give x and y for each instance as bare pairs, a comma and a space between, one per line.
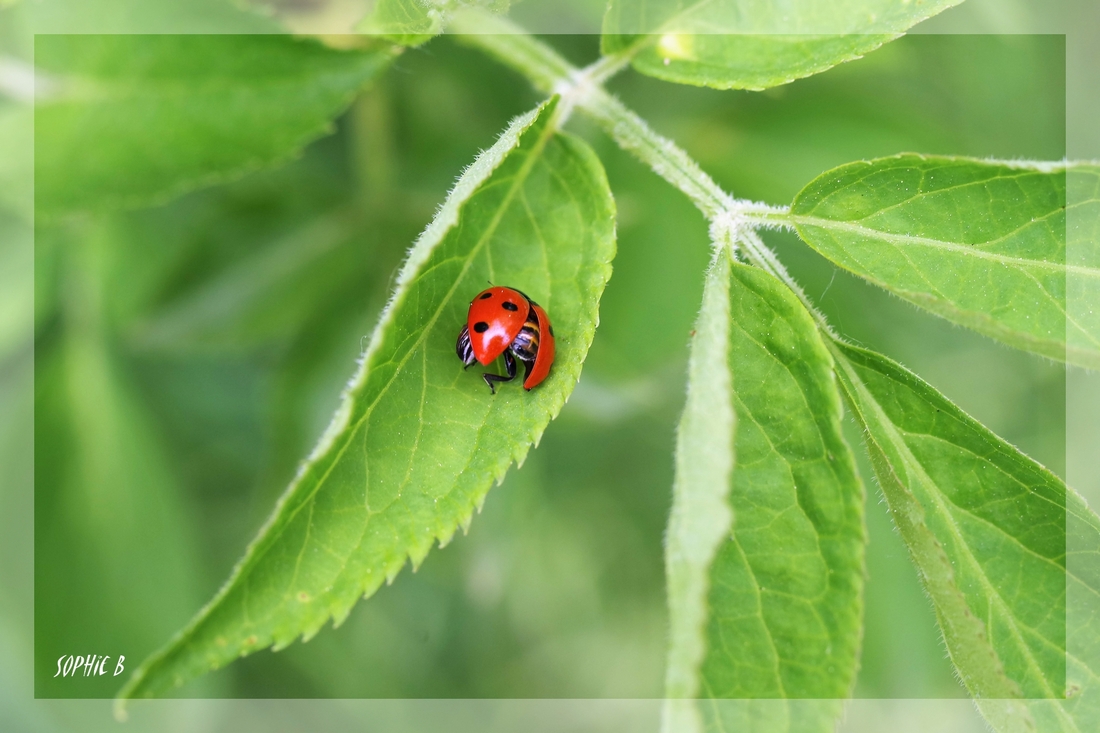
133, 120
986, 528
267, 296
773, 716
980, 243
413, 22
774, 608
1083, 261
701, 516
417, 442
1082, 621
749, 44
408, 22
788, 582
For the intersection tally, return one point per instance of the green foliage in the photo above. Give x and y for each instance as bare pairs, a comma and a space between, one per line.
1082, 263
765, 600
786, 588
416, 443
413, 22
134, 120
1082, 624
746, 44
775, 715
968, 240
986, 527
701, 517
105, 487
190, 353
407, 22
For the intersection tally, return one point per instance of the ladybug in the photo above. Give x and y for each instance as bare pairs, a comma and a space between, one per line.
505, 321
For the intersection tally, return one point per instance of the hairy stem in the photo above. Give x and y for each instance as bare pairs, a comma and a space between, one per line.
607, 66
732, 220
512, 46
581, 89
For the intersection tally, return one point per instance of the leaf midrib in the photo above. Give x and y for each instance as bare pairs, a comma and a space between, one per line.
757, 596
920, 474
1027, 489
520, 177
938, 299
944, 164
744, 412
861, 230
920, 524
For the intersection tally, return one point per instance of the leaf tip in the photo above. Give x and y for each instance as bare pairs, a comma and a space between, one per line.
393, 571
313, 629
420, 551
445, 538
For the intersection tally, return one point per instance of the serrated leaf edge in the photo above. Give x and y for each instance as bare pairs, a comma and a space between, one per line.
1011, 714
446, 217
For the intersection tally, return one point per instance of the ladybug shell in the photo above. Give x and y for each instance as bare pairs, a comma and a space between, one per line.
545, 356
495, 319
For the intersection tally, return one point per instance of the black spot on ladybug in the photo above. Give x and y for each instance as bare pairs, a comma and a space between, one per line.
485, 295
509, 306
481, 326
551, 330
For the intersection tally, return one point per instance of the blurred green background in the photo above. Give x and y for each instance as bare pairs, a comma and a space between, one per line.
187, 357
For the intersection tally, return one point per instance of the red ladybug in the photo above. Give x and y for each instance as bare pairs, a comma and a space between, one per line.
505, 321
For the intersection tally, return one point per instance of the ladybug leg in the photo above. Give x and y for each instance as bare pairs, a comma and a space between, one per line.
509, 366
464, 350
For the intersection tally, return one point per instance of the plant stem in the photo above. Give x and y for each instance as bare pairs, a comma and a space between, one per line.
611, 64
512, 46
550, 73
580, 88
661, 154
763, 257
732, 220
